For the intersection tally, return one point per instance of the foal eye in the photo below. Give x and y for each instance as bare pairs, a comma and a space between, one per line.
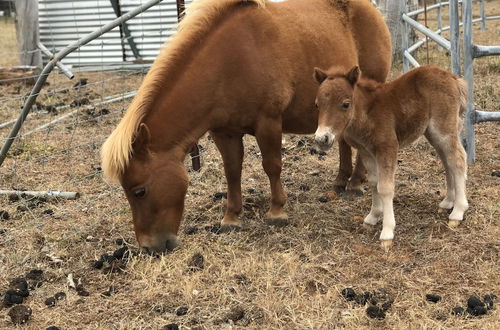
345, 105
140, 193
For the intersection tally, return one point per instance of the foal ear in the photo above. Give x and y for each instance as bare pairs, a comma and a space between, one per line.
319, 75
142, 139
353, 75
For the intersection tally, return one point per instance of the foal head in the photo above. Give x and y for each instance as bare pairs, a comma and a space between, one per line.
155, 184
334, 103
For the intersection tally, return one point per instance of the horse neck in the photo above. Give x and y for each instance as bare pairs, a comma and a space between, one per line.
177, 122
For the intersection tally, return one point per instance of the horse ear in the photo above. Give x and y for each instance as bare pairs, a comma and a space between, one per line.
319, 75
353, 75
142, 139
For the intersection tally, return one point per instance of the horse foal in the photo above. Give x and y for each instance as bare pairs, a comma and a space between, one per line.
380, 118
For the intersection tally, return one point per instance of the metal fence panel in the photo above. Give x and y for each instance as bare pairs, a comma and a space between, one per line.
63, 22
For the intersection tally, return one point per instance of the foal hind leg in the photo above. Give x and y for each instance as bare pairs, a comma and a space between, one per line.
231, 150
386, 165
345, 166
268, 135
454, 159
458, 166
437, 143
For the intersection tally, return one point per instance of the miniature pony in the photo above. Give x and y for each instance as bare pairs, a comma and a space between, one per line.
380, 118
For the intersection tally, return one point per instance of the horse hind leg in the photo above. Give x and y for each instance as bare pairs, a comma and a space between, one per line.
231, 150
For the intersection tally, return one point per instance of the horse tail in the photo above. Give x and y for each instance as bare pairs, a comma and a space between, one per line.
462, 90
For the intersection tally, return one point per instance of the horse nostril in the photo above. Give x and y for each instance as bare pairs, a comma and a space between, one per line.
325, 139
171, 244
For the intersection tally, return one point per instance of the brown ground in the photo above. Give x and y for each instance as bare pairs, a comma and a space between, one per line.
263, 277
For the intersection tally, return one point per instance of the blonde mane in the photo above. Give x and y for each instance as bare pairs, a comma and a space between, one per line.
198, 21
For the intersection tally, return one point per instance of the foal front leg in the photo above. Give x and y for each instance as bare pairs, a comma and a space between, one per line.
231, 150
268, 135
386, 165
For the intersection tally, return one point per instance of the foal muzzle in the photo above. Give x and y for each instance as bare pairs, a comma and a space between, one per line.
324, 137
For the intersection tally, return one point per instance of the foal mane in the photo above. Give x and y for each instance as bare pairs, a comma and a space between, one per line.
200, 18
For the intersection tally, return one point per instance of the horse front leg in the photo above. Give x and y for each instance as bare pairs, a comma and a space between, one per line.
231, 150
268, 135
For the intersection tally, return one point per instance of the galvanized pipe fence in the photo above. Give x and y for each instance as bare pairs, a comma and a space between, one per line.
470, 52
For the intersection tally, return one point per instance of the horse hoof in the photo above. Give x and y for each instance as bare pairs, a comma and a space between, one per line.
227, 228
453, 223
230, 222
386, 245
280, 221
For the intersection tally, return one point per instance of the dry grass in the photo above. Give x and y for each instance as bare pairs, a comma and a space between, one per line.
287, 277
8, 43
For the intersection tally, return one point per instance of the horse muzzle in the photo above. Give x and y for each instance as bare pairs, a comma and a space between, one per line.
324, 137
162, 244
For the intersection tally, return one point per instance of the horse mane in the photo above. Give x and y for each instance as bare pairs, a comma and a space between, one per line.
200, 18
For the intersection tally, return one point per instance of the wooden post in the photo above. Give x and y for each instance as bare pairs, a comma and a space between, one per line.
181, 6
27, 32
391, 10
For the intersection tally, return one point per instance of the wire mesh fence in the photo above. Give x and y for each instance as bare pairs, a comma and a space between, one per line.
57, 147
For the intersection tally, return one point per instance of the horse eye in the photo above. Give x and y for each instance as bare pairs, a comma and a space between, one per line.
140, 193
345, 105
316, 105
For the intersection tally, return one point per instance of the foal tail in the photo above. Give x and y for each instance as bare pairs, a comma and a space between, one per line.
462, 90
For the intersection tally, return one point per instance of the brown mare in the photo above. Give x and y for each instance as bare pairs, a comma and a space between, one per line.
378, 119
235, 67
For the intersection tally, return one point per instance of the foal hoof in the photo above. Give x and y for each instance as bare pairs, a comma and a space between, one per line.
352, 193
386, 245
444, 210
338, 188
453, 223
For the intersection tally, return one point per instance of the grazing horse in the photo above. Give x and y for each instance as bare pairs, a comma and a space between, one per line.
378, 119
235, 67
